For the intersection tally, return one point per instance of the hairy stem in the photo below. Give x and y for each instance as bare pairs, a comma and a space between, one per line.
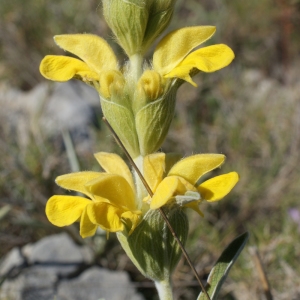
135, 70
164, 290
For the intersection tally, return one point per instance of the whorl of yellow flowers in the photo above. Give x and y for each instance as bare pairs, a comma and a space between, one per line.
114, 204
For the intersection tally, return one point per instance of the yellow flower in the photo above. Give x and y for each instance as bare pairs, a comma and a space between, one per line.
96, 60
173, 56
180, 182
176, 185
112, 206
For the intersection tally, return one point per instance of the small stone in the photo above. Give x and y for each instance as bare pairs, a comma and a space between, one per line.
33, 283
58, 248
12, 261
96, 283
60, 253
45, 269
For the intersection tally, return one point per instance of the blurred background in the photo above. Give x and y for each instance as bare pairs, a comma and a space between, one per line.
249, 111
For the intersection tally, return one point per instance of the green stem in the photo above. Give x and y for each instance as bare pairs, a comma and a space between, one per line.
164, 289
141, 192
140, 189
136, 62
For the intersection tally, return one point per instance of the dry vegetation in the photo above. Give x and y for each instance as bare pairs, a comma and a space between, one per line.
249, 111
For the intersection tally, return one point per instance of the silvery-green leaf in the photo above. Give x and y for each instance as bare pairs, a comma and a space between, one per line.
221, 269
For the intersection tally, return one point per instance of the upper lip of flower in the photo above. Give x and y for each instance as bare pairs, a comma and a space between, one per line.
173, 57
95, 54
184, 177
112, 194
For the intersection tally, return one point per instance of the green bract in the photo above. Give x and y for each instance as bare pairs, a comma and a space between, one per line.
152, 247
135, 23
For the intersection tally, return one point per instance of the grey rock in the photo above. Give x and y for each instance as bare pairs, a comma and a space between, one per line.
47, 109
35, 283
59, 253
47, 267
57, 248
68, 106
12, 260
96, 283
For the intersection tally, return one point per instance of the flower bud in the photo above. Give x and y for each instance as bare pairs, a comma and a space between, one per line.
159, 19
149, 88
152, 247
137, 23
111, 83
151, 84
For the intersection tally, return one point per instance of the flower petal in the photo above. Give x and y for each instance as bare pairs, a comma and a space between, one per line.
64, 68
87, 227
154, 167
114, 188
175, 46
169, 187
193, 167
77, 181
106, 215
65, 210
92, 49
133, 217
114, 164
218, 187
207, 59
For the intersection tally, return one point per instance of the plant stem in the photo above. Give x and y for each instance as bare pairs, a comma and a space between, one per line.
135, 70
164, 289
140, 188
